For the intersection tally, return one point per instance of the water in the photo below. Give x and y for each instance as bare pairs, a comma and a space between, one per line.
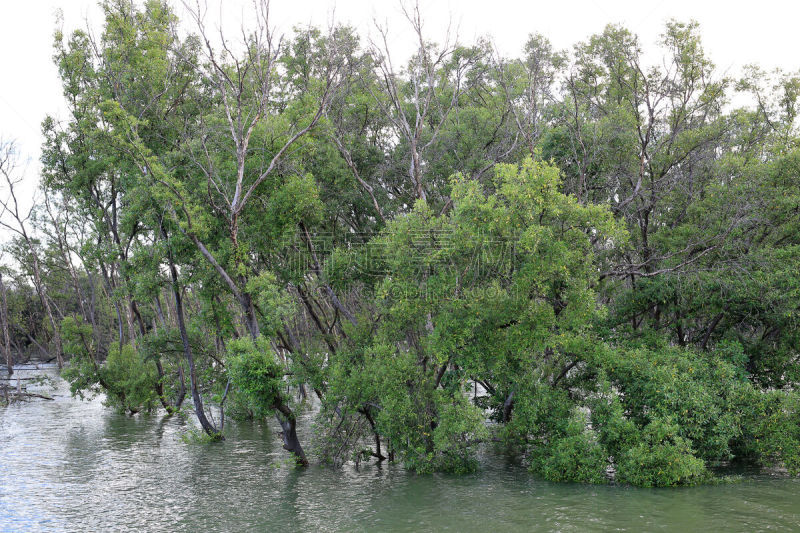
67, 465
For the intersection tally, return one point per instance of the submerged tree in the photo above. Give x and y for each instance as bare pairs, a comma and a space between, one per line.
590, 259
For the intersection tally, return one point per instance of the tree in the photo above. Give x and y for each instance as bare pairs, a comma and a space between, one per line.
4, 324
496, 292
590, 259
11, 207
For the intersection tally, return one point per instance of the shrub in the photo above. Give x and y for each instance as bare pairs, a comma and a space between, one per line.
255, 374
661, 459
130, 381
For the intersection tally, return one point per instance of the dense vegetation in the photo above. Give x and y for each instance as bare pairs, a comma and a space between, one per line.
587, 258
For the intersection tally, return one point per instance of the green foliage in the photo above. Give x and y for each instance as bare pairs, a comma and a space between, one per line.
129, 380
198, 436
83, 372
255, 374
603, 284
575, 456
485, 288
661, 459
661, 416
276, 304
126, 378
772, 433
702, 394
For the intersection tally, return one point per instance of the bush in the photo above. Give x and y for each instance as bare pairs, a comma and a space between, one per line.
460, 425
661, 459
83, 372
255, 375
772, 433
576, 456
130, 381
700, 393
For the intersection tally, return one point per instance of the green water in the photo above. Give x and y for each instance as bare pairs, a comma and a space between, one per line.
68, 465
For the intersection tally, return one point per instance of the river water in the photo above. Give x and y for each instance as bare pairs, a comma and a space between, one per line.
71, 465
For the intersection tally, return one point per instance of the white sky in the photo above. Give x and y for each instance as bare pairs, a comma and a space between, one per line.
735, 33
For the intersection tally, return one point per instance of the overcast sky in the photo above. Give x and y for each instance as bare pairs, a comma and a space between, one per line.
735, 33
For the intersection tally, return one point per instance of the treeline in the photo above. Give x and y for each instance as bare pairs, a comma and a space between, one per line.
597, 254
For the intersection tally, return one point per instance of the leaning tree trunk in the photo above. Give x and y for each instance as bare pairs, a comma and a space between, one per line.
283, 413
288, 421
208, 427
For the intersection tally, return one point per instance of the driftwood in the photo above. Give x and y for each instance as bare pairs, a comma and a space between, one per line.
10, 394
34, 395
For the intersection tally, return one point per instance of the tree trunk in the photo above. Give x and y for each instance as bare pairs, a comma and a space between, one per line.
291, 443
377, 453
508, 406
250, 317
208, 427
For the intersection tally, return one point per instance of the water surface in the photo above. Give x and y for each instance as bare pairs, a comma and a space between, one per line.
68, 465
